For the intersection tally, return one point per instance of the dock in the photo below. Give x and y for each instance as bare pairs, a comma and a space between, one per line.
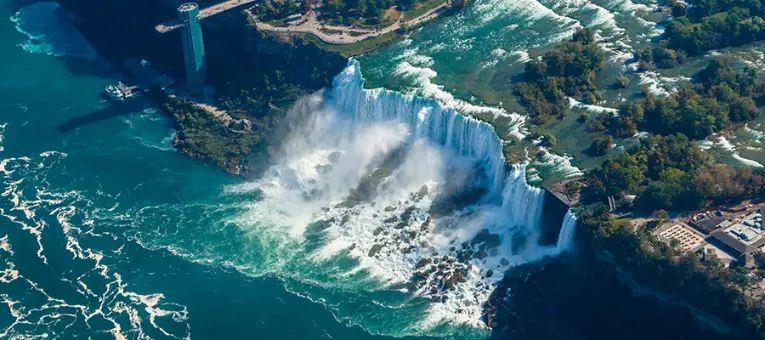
145, 75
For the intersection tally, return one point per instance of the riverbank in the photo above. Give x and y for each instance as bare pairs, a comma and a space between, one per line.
347, 35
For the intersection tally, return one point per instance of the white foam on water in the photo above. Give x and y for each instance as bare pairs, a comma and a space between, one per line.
658, 84
550, 162
756, 134
523, 56
530, 10
411, 56
498, 55
423, 77
5, 245
573, 103
100, 286
49, 32
2, 135
347, 135
725, 144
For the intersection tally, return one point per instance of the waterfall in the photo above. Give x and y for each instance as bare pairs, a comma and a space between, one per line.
567, 233
413, 192
426, 118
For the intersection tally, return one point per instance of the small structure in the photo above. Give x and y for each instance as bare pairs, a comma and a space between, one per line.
567, 191
128, 91
710, 252
294, 17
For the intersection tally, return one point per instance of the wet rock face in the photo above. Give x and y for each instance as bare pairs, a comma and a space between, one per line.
462, 189
375, 249
406, 227
436, 275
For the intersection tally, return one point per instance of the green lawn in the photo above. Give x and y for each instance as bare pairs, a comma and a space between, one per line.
349, 50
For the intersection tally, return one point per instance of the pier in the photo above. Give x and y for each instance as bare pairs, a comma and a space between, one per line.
203, 14
145, 75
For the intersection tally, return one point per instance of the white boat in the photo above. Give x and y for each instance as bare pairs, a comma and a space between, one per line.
115, 93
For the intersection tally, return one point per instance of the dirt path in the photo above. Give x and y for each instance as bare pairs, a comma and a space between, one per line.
313, 26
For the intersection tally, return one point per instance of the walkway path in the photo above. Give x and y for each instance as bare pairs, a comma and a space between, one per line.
204, 14
313, 26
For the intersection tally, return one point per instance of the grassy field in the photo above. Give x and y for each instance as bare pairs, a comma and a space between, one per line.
422, 8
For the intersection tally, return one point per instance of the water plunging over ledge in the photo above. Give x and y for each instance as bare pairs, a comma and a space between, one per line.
377, 190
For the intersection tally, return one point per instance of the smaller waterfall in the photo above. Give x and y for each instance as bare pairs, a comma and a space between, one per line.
567, 234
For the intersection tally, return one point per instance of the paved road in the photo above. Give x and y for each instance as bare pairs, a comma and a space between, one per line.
204, 14
313, 26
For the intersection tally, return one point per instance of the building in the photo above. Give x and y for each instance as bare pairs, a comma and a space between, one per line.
742, 238
294, 17
710, 252
193, 46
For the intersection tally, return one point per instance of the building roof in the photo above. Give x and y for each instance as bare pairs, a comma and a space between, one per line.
734, 243
709, 225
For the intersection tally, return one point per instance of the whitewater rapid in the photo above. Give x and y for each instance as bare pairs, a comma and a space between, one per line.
416, 195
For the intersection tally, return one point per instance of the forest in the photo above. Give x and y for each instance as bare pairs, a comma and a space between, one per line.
706, 25
567, 71
670, 172
719, 98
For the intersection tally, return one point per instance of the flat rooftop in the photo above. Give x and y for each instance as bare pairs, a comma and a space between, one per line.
187, 7
744, 236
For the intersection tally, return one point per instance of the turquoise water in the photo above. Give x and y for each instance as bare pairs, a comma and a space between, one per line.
98, 212
108, 232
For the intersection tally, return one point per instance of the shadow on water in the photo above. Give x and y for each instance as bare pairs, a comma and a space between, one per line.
128, 107
79, 67
15, 5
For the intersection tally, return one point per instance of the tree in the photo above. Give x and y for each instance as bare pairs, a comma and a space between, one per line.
600, 146
660, 214
566, 71
307, 5
621, 81
759, 259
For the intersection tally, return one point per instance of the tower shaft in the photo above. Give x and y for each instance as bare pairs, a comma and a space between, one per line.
193, 45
